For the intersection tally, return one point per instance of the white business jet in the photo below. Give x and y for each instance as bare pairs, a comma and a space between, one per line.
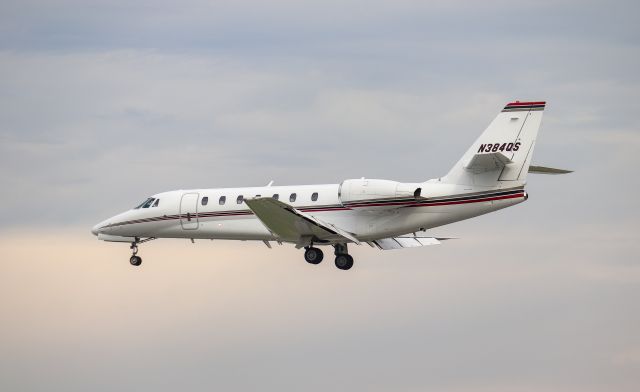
385, 214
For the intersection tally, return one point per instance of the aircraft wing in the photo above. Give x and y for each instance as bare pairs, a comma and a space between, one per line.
292, 225
407, 241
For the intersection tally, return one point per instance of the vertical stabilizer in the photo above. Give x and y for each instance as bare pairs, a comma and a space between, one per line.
502, 154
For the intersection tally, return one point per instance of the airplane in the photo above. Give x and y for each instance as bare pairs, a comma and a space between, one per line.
490, 176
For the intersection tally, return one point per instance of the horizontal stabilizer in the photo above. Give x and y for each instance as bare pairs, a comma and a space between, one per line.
481, 163
547, 170
409, 241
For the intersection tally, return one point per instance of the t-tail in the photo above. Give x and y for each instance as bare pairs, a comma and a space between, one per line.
501, 156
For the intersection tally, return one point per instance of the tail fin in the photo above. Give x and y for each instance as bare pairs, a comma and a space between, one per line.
503, 152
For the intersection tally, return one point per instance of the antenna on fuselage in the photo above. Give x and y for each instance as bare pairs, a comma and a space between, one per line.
270, 183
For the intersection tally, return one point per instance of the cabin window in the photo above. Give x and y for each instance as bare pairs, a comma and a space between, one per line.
276, 196
240, 199
292, 198
205, 200
148, 203
223, 199
258, 195
156, 203
314, 196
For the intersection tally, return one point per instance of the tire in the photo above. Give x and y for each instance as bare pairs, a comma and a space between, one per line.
344, 262
313, 256
135, 260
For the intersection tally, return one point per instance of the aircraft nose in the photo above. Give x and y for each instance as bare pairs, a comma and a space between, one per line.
100, 228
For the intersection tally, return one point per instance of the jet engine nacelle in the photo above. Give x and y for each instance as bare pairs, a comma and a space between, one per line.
365, 189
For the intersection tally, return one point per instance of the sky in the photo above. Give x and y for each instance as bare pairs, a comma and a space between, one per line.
105, 103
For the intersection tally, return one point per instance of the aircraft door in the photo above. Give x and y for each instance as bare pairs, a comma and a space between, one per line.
189, 211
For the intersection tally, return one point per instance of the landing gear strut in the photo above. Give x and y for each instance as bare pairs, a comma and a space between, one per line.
313, 255
343, 260
135, 260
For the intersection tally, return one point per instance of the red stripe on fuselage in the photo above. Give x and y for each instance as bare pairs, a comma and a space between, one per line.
442, 203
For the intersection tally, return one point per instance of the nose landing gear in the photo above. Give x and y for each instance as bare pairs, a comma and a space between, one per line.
135, 260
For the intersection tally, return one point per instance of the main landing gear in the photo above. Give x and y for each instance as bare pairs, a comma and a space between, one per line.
313, 255
343, 260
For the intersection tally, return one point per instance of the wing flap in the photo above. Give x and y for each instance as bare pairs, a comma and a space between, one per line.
406, 242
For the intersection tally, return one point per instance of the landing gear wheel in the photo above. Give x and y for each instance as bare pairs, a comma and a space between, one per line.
313, 255
135, 260
344, 262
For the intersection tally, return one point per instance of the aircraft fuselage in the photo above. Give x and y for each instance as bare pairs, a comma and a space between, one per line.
223, 214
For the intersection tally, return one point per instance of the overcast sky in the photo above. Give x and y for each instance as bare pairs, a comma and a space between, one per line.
104, 104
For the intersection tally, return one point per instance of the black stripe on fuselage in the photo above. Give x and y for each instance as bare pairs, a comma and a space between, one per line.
523, 108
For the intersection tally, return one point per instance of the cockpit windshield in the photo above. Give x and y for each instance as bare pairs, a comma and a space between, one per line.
146, 203
150, 202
